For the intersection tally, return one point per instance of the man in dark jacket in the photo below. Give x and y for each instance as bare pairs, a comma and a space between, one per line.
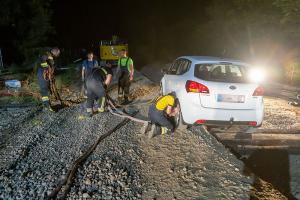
45, 73
96, 84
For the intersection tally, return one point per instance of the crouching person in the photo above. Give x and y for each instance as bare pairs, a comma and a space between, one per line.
161, 115
96, 84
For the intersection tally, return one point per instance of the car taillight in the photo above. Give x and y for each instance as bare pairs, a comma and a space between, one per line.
192, 86
259, 91
252, 123
201, 121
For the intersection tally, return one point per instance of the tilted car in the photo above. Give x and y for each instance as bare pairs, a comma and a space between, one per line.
214, 91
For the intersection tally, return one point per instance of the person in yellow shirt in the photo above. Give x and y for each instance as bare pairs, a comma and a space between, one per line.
161, 113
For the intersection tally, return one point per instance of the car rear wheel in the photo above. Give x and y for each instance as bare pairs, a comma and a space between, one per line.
180, 125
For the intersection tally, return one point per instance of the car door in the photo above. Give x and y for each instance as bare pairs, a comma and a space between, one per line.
169, 77
179, 80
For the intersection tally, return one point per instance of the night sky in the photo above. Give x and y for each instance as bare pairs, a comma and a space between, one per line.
79, 22
161, 30
82, 24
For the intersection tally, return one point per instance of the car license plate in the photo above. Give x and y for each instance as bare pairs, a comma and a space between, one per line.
230, 98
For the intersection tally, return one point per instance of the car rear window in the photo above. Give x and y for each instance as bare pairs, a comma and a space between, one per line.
221, 72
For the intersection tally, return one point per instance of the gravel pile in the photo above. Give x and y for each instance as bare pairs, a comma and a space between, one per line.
278, 114
47, 150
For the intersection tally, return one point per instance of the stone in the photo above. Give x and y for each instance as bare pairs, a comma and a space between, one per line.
88, 182
86, 196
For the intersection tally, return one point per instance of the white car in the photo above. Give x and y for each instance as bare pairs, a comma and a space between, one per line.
215, 91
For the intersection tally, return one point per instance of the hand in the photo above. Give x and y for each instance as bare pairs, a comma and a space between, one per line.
131, 77
174, 111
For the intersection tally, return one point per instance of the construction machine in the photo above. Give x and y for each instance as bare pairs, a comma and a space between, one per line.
109, 50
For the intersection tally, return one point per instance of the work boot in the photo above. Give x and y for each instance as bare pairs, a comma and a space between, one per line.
165, 130
101, 110
101, 105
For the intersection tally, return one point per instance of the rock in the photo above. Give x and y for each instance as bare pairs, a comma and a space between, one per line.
86, 196
88, 182
112, 178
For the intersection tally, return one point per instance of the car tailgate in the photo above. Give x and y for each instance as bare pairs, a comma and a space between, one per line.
230, 96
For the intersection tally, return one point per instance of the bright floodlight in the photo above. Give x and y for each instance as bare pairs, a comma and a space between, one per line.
256, 75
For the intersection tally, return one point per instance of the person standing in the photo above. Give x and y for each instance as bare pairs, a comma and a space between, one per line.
126, 72
87, 66
45, 74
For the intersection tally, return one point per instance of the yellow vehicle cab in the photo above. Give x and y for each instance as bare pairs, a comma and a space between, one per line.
109, 50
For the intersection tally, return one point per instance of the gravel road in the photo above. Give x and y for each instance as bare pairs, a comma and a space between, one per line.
38, 152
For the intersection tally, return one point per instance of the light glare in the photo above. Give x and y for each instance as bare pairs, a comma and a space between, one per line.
257, 75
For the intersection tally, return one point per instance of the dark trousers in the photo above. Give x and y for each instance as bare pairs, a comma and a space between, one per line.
95, 90
44, 86
158, 117
124, 84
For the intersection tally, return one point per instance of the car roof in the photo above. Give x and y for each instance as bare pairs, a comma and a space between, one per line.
204, 59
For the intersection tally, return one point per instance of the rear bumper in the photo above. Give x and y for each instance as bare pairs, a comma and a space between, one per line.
227, 123
211, 116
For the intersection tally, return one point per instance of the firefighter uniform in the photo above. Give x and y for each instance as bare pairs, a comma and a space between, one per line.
157, 113
96, 88
124, 64
45, 69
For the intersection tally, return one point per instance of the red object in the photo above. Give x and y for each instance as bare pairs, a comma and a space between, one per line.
5, 93
252, 123
259, 91
201, 121
195, 87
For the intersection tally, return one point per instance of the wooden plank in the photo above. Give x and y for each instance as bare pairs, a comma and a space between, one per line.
262, 136
262, 142
281, 147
